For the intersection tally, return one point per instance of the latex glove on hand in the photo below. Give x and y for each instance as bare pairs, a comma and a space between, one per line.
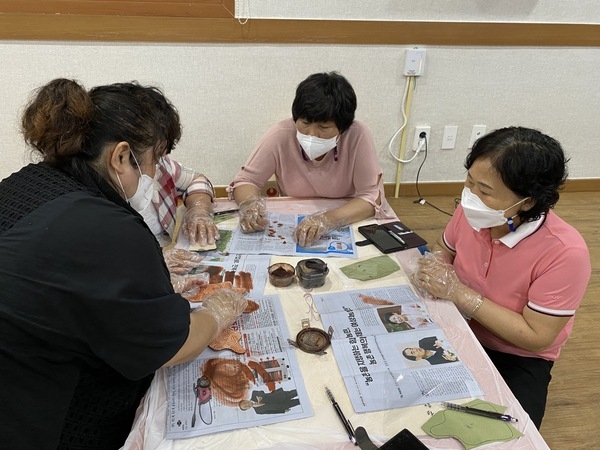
225, 306
253, 215
188, 286
312, 228
180, 261
198, 225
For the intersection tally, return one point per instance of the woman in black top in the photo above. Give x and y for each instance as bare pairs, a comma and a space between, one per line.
87, 308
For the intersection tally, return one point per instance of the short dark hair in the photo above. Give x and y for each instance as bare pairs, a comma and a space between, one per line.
153, 121
409, 357
530, 163
387, 316
323, 97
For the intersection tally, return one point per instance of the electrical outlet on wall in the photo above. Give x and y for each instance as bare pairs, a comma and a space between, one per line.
417, 137
414, 64
476, 133
449, 137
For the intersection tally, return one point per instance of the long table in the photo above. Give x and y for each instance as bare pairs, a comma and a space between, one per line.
324, 430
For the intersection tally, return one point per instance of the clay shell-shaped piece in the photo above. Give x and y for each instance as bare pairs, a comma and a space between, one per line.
252, 306
228, 340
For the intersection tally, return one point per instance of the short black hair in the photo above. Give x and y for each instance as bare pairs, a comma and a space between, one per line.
409, 357
323, 97
530, 163
166, 115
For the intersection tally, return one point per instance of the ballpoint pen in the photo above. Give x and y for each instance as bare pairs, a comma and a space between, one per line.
398, 238
226, 211
340, 414
480, 412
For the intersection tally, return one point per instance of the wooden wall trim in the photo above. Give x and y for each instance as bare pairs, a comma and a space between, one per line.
433, 189
132, 28
155, 8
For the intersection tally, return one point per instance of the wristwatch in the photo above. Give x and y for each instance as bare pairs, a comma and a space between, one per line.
312, 340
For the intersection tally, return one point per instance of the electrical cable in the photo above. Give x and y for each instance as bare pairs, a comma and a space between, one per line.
416, 150
423, 143
421, 199
404, 121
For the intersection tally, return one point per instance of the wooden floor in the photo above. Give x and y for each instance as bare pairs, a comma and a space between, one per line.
570, 422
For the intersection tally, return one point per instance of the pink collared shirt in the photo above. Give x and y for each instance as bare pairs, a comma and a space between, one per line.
544, 265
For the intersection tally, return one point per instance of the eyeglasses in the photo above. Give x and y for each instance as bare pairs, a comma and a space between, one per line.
157, 165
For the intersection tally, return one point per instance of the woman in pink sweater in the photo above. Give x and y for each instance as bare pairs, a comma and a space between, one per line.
320, 152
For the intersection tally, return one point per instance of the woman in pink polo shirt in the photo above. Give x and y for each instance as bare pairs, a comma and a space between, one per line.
508, 262
321, 151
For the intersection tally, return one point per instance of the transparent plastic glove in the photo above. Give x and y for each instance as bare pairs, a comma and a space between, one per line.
180, 261
198, 225
225, 306
253, 215
189, 286
312, 228
435, 276
416, 262
439, 256
438, 278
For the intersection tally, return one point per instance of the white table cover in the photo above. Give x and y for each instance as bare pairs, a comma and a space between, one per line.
324, 430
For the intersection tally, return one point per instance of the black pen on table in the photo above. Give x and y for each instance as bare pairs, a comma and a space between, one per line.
226, 211
480, 412
340, 414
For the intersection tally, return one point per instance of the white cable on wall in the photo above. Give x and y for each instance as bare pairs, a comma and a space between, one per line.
405, 116
242, 11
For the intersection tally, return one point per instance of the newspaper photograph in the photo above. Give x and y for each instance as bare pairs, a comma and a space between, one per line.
278, 239
390, 352
257, 384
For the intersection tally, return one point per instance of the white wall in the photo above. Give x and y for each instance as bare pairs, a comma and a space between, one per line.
228, 95
547, 11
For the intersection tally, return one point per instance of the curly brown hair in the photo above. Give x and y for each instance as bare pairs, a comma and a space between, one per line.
67, 124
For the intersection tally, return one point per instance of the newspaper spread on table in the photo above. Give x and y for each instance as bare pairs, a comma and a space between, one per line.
278, 239
389, 350
248, 272
263, 385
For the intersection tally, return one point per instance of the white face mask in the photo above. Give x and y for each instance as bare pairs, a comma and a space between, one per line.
142, 199
143, 194
314, 146
479, 215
